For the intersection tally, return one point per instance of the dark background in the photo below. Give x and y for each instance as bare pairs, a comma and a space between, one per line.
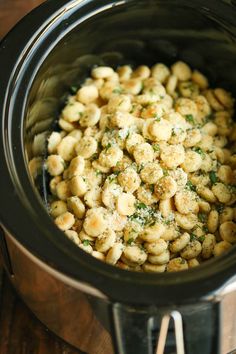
20, 331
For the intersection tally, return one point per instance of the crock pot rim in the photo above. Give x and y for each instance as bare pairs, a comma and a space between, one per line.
196, 279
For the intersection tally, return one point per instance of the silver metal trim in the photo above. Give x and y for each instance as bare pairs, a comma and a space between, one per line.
179, 334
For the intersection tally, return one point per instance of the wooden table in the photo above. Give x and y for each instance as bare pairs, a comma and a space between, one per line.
20, 331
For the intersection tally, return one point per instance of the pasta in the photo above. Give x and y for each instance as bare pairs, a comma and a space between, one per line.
143, 168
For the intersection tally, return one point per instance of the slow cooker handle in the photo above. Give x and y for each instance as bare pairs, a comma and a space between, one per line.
196, 330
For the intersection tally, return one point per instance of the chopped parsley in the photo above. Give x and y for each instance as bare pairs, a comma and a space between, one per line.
133, 108
141, 206
98, 173
108, 146
202, 217
204, 228
130, 241
120, 102
201, 238
189, 118
94, 156
145, 215
111, 178
173, 132
156, 147
86, 242
140, 167
219, 208
199, 151
142, 248
193, 237
151, 187
157, 118
190, 186
135, 217
165, 172
213, 177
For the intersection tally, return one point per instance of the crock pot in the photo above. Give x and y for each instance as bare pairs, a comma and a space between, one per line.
94, 306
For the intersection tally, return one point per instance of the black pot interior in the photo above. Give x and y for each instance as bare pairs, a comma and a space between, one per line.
136, 32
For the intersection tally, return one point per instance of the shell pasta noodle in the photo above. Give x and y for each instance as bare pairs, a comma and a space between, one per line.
143, 168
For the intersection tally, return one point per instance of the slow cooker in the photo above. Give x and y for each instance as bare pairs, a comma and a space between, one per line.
94, 306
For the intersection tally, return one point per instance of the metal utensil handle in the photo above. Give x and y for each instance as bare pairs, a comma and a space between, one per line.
133, 331
179, 335
196, 329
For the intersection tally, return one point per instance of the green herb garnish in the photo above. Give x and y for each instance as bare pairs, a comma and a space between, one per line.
193, 237
98, 173
111, 178
213, 177
94, 156
141, 206
142, 248
151, 187
86, 242
156, 147
201, 238
189, 118
190, 186
173, 132
199, 151
130, 241
140, 167
165, 172
108, 146
133, 108
134, 216
219, 208
202, 217
204, 228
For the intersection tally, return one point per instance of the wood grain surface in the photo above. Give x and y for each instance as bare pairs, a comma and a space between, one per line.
11, 11
20, 331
